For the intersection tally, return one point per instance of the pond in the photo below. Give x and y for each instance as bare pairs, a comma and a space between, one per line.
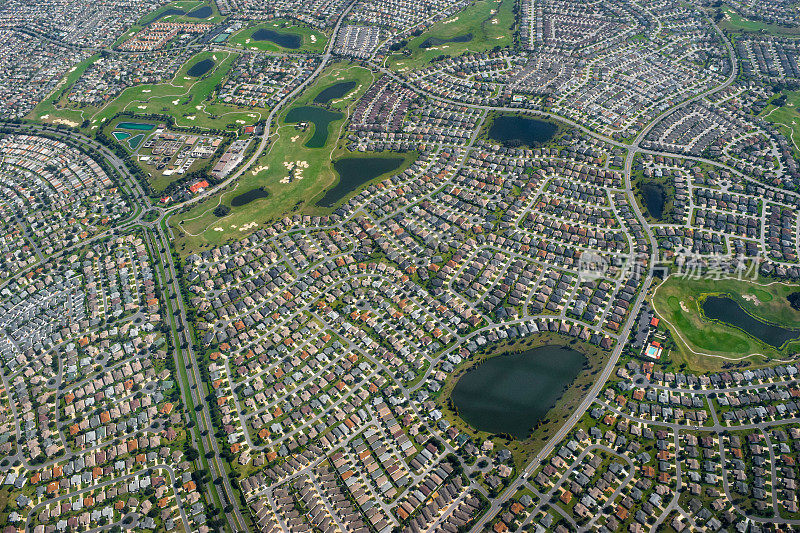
515, 130
134, 141
201, 12
335, 91
249, 196
354, 172
292, 41
436, 41
200, 68
728, 310
512, 393
654, 198
317, 116
120, 135
135, 126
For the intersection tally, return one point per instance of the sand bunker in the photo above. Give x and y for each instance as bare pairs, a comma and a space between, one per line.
295, 169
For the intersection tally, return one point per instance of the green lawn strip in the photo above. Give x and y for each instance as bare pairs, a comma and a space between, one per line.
678, 300
287, 145
523, 450
490, 22
187, 397
244, 38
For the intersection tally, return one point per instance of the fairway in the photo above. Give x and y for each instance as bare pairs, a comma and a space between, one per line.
294, 172
311, 39
678, 301
734, 22
484, 25
787, 118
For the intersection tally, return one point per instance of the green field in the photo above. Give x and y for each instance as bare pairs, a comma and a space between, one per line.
199, 226
312, 40
787, 118
732, 21
491, 23
189, 100
677, 301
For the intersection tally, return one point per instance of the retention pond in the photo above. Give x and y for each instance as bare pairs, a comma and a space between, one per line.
511, 393
728, 310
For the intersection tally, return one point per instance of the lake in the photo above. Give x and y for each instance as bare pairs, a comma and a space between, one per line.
511, 393
436, 41
728, 310
319, 117
654, 198
335, 91
247, 197
354, 172
285, 40
515, 130
200, 68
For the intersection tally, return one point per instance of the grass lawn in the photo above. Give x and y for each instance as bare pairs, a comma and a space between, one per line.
523, 450
52, 109
678, 302
199, 227
186, 98
490, 22
787, 118
189, 99
312, 40
734, 22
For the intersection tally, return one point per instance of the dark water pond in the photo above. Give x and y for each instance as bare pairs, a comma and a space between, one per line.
200, 68
436, 41
511, 393
728, 310
654, 198
514, 130
316, 115
354, 172
337, 90
201, 12
247, 197
286, 40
